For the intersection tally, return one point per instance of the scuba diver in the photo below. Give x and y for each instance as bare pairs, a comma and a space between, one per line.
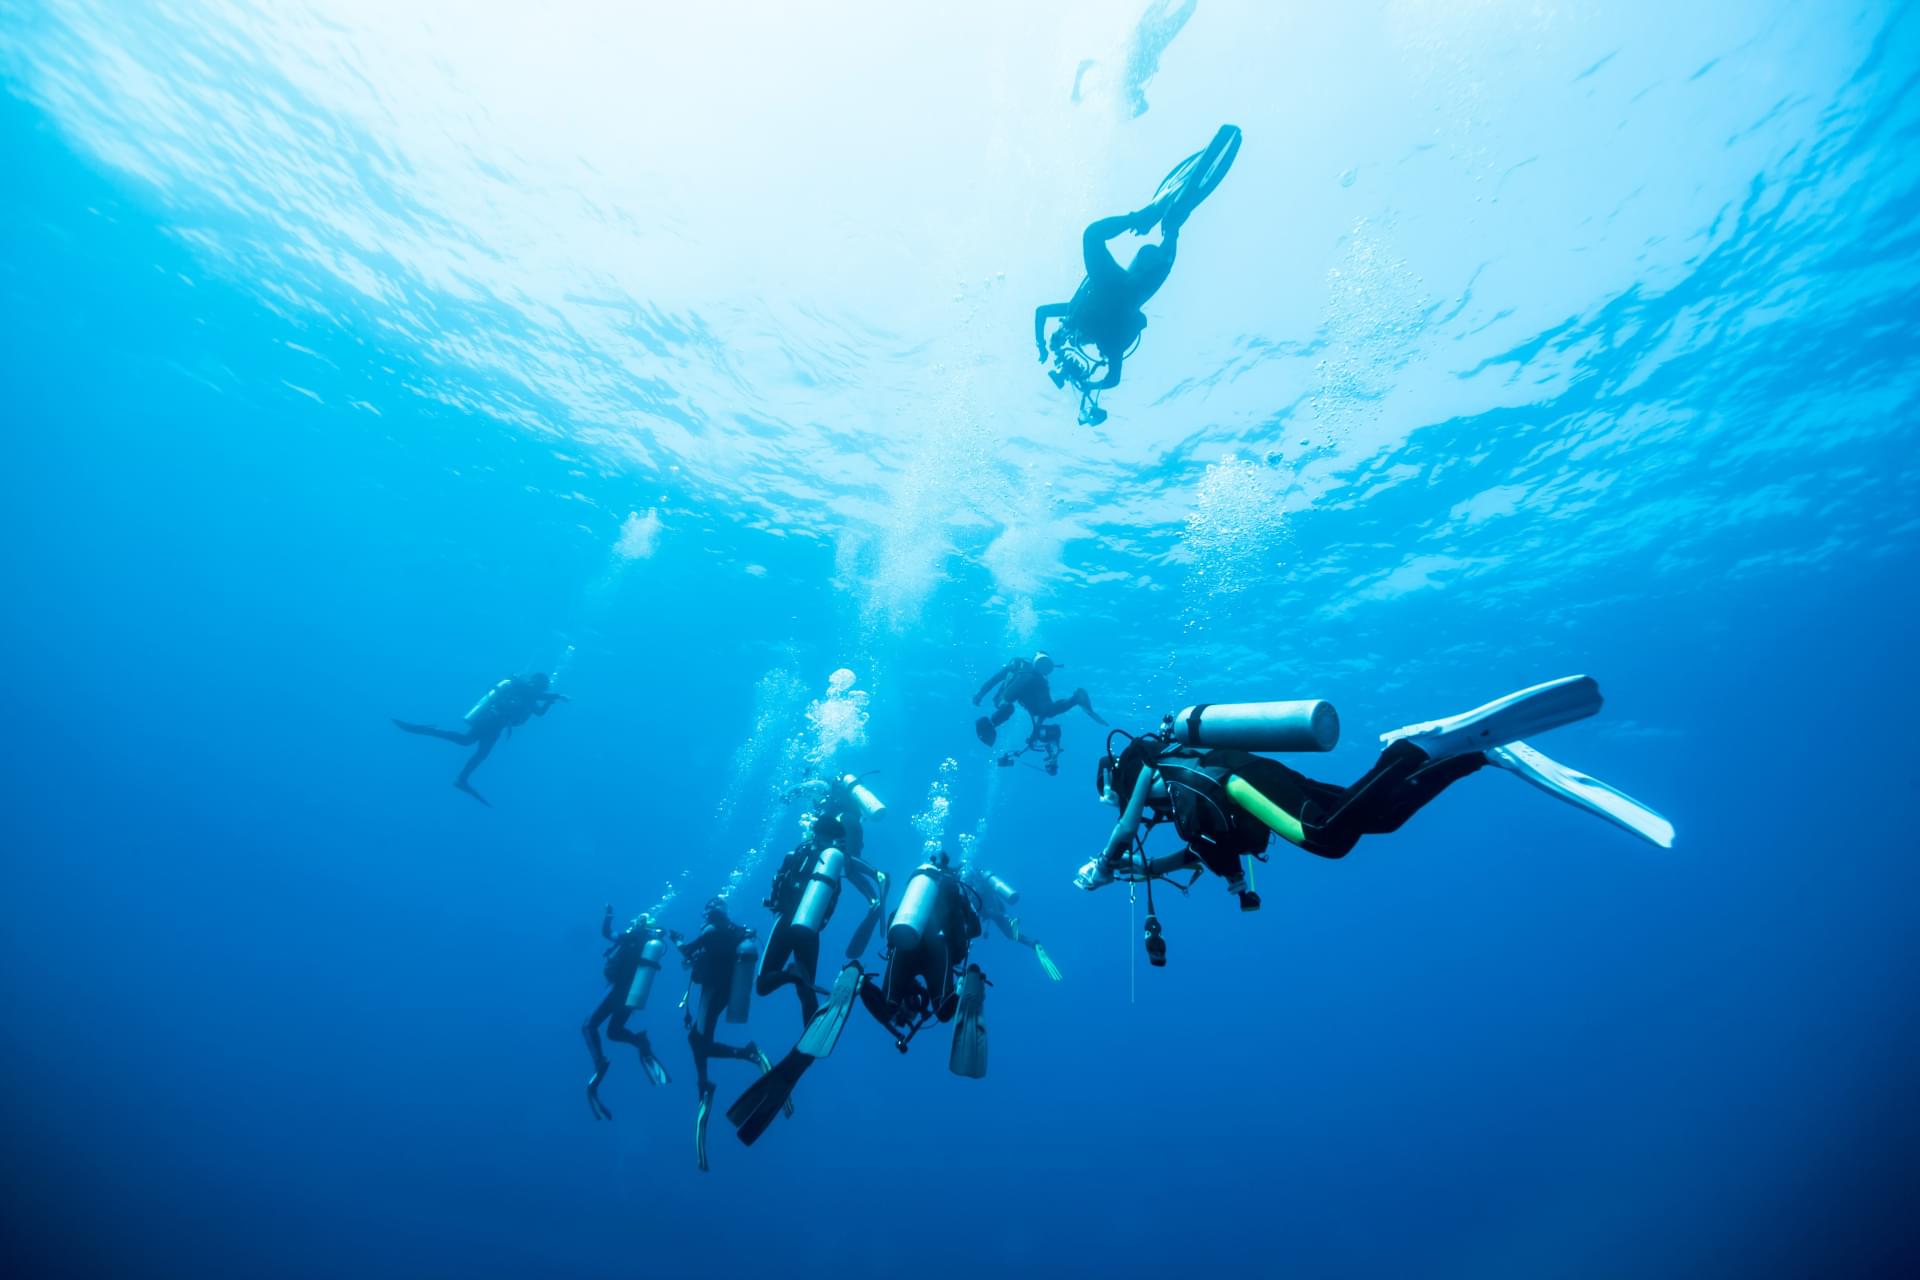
502, 709
1102, 324
1023, 683
806, 888
631, 965
1199, 772
927, 979
996, 896
721, 959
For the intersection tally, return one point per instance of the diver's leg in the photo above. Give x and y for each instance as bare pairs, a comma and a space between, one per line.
700, 1035
463, 737
1079, 699
590, 1029
773, 965
1402, 781
1102, 271
806, 958
480, 753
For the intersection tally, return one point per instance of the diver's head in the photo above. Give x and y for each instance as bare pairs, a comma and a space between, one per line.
1043, 664
540, 680
641, 923
942, 859
716, 910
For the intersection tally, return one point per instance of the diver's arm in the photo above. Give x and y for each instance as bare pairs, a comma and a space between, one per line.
992, 680
1052, 311
1129, 825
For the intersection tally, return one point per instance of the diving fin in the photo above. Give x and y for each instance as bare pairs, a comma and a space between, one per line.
1576, 788
1520, 714
766, 1067
823, 1033
655, 1069
767, 1097
1046, 962
969, 1055
700, 1127
600, 1111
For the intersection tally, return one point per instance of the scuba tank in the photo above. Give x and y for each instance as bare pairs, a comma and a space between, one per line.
746, 958
1004, 891
1308, 725
915, 918
823, 887
871, 807
485, 704
642, 986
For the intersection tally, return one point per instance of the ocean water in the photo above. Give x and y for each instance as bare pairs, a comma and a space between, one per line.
357, 355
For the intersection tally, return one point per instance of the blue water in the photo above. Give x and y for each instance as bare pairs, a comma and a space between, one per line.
357, 356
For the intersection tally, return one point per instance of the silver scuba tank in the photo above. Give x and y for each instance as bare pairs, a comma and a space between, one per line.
1004, 891
1308, 725
915, 918
486, 701
642, 984
746, 958
871, 807
823, 887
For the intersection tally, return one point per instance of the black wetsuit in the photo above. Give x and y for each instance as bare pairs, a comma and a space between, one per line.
1332, 818
921, 983
621, 964
787, 943
512, 702
710, 956
1105, 311
1022, 685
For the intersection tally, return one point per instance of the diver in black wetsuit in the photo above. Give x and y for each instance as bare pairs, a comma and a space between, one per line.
1227, 803
624, 960
920, 983
711, 955
1022, 683
793, 953
505, 707
1105, 312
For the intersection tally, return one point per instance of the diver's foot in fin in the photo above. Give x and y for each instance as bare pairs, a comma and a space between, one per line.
769, 1096
983, 729
754, 1055
655, 1069
823, 1030
700, 1126
1046, 962
1518, 715
969, 1054
1576, 788
1094, 875
468, 788
600, 1111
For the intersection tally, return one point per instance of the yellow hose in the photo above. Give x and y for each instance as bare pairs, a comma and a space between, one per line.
1248, 797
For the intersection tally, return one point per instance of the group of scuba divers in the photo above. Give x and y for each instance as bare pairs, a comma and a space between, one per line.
1201, 771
